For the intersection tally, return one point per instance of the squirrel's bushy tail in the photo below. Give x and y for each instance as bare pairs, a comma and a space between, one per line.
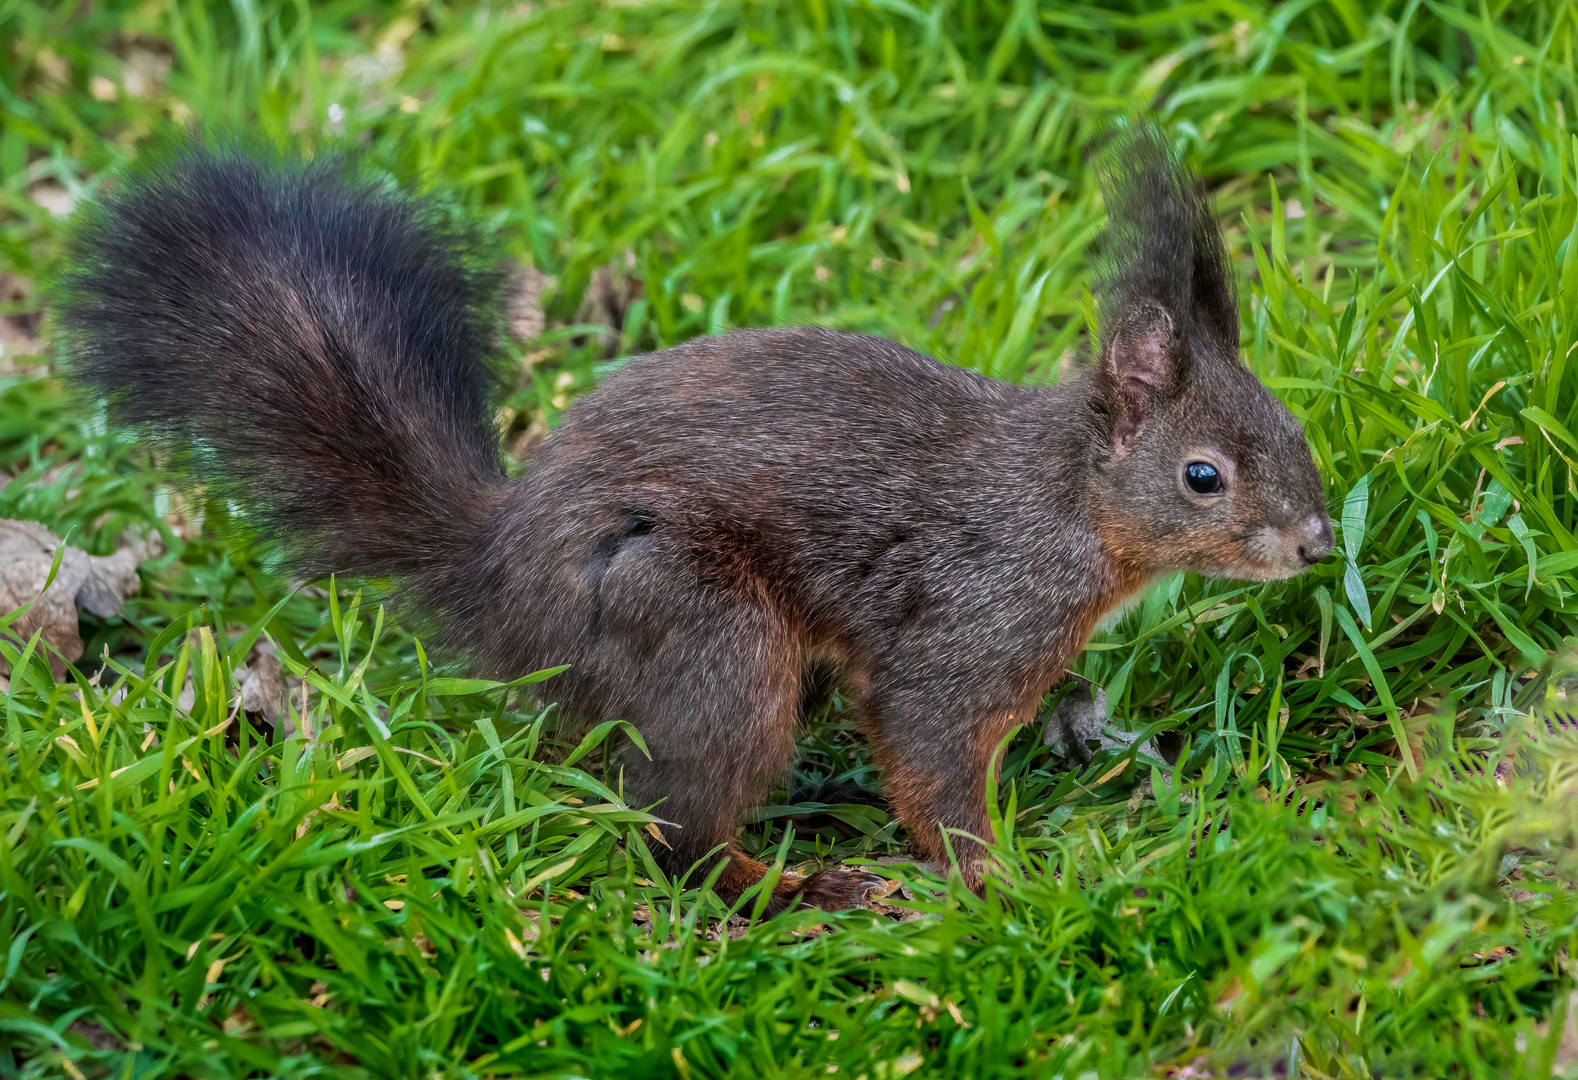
314, 347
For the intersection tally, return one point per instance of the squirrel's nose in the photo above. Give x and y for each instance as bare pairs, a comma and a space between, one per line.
1315, 539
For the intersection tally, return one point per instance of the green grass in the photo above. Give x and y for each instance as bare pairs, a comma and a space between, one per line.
436, 883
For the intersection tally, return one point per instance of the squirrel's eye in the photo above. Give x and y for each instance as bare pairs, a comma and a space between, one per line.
1202, 478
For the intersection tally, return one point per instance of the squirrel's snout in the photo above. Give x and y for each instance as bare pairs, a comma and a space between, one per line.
1315, 539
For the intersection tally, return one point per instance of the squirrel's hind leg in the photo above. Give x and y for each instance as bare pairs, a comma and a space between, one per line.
716, 699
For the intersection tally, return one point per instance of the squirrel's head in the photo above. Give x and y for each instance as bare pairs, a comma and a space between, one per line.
1200, 468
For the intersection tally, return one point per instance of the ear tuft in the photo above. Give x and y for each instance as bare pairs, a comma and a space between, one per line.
1163, 242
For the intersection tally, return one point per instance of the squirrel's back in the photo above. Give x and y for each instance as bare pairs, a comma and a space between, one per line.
792, 397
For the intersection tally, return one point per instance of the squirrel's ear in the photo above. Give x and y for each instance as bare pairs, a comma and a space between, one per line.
1140, 358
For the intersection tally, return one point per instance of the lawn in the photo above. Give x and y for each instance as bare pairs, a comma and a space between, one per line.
256, 831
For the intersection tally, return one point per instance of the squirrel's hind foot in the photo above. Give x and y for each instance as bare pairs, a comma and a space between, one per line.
840, 889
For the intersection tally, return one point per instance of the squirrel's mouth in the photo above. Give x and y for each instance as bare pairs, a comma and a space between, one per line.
1273, 554
1245, 569
1259, 571
1249, 565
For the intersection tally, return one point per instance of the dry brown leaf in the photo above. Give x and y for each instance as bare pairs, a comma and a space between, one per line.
264, 688
240, 1023
18, 328
145, 68
613, 288
736, 929
53, 198
185, 516
1079, 719
524, 305
99, 583
1567, 1047
95, 1034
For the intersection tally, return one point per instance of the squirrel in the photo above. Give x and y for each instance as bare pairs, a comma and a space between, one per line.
717, 518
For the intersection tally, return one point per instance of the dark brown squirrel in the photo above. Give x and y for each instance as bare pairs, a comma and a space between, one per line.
718, 516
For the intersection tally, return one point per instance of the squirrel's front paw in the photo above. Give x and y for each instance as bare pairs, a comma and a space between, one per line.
841, 888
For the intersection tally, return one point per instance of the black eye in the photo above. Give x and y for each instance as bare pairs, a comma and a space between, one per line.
1202, 478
